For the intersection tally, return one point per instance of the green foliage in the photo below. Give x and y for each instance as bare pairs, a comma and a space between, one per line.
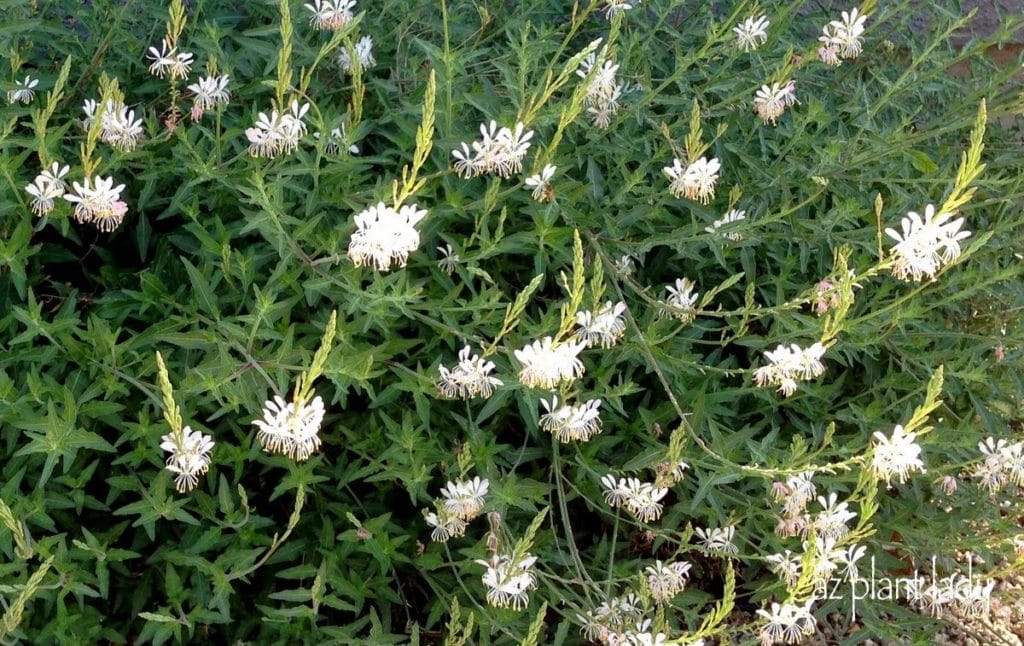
231, 270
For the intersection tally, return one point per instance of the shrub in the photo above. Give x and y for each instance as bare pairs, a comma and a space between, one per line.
697, 327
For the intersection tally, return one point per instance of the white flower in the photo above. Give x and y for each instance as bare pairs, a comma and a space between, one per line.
670, 474
898, 455
208, 93
278, 133
787, 566
364, 55
751, 33
47, 187
642, 499
786, 623
465, 499
330, 14
849, 558
603, 328
624, 264
695, 182
384, 236
570, 423
89, 108
445, 525
718, 539
828, 53
449, 259
771, 101
831, 521
615, 7
336, 140
547, 364
789, 365
24, 91
666, 580
289, 429
98, 202
189, 457
926, 244
499, 151
167, 59
541, 184
729, 218
508, 583
1003, 463
120, 128
681, 303
847, 34
469, 378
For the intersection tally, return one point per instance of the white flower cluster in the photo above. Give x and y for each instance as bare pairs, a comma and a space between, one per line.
330, 15
752, 33
788, 365
681, 303
47, 187
364, 56
541, 184
1003, 464
98, 202
896, 456
786, 623
611, 616
471, 377
731, 217
508, 583
547, 364
772, 100
461, 502
291, 429
795, 492
168, 60
926, 244
279, 133
953, 595
718, 540
694, 182
603, 91
642, 499
640, 634
604, 327
842, 39
24, 91
384, 236
666, 580
826, 560
118, 125
189, 457
571, 423
208, 93
499, 151
829, 523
